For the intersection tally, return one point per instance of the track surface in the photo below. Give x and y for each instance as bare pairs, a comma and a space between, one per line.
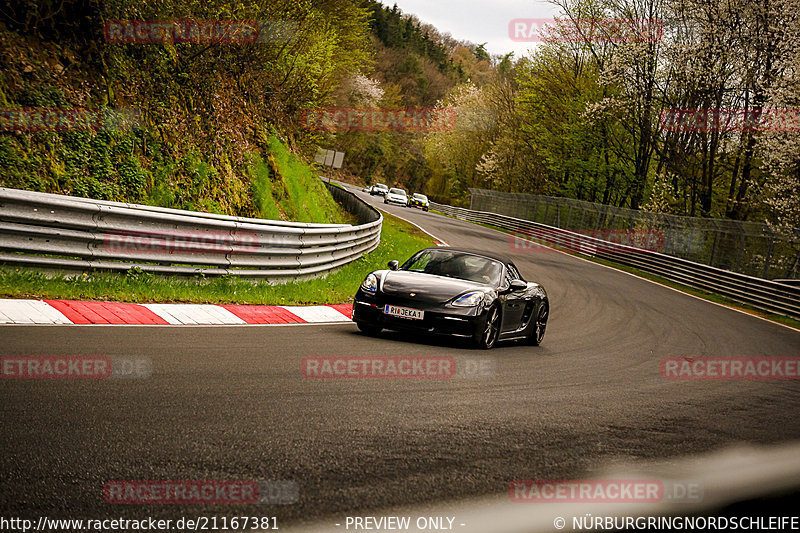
230, 403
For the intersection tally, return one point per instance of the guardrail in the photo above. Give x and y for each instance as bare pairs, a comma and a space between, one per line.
765, 295
54, 232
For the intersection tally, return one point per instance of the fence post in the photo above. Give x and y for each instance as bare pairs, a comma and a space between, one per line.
714, 244
768, 258
740, 251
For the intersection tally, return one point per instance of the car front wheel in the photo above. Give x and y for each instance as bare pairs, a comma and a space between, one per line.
486, 334
540, 325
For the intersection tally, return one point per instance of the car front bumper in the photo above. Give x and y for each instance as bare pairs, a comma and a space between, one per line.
459, 321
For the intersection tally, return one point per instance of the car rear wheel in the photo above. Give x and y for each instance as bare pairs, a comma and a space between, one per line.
486, 336
369, 329
540, 325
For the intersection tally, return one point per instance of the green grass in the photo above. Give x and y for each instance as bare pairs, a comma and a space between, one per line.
712, 297
297, 191
398, 241
262, 190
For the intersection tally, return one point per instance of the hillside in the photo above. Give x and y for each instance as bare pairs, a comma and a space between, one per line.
212, 125
206, 125
573, 118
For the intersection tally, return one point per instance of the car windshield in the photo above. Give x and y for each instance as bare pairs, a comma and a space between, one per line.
456, 265
420, 196
381, 186
401, 192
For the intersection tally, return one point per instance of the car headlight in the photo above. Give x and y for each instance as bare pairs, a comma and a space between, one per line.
470, 299
370, 283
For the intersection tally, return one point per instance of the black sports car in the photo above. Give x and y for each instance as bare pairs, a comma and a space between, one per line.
454, 292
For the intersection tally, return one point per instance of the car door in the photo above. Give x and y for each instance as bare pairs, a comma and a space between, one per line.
515, 302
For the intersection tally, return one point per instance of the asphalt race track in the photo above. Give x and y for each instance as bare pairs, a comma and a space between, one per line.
230, 402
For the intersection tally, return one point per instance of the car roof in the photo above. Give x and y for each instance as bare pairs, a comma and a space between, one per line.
489, 255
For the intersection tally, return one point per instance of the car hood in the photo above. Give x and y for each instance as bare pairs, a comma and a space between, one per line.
427, 288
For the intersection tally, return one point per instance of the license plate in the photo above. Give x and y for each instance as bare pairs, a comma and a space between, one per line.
404, 312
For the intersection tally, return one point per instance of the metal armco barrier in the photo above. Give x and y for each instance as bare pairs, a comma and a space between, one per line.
769, 296
752, 248
55, 232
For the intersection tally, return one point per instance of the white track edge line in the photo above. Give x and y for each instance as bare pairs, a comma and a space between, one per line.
417, 225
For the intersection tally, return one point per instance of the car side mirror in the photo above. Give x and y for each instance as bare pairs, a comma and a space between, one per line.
394, 265
517, 285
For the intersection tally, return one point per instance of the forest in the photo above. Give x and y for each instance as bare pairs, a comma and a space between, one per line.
584, 114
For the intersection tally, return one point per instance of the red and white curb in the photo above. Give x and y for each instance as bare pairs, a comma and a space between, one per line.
87, 312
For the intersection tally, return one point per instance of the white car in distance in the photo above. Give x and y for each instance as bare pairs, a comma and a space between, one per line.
396, 196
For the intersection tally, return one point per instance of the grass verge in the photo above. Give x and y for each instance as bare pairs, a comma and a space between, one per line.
399, 240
